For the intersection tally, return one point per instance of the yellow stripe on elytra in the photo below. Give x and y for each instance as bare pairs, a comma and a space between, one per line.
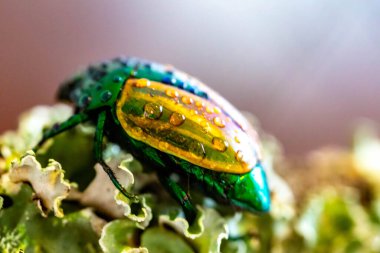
230, 166
181, 109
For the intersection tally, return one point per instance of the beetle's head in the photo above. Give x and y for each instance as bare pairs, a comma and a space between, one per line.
251, 191
74, 88
91, 83
67, 90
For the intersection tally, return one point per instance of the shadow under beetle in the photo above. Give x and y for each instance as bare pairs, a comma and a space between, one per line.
175, 124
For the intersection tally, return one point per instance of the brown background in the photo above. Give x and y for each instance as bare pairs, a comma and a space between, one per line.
308, 71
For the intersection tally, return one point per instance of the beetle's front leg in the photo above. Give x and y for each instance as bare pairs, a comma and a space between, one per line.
98, 149
180, 195
61, 127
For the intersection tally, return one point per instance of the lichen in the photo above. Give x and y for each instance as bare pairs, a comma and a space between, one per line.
332, 203
48, 183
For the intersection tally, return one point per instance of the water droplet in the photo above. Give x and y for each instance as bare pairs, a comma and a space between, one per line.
194, 112
177, 119
217, 110
199, 103
85, 101
172, 93
237, 139
152, 110
168, 80
209, 109
197, 150
219, 122
117, 79
219, 144
141, 83
187, 100
106, 95
239, 156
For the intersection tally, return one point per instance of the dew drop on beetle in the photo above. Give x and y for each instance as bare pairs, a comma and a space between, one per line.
194, 112
209, 109
152, 110
187, 100
141, 83
172, 93
217, 110
219, 144
239, 156
106, 96
219, 122
199, 104
177, 119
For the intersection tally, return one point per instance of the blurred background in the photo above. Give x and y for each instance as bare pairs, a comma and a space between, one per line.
307, 70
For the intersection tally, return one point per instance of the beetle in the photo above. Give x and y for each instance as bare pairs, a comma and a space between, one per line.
175, 124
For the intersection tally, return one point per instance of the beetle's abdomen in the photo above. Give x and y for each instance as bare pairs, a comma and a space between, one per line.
187, 126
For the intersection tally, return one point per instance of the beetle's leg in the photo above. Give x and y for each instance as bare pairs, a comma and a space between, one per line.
180, 195
61, 127
99, 134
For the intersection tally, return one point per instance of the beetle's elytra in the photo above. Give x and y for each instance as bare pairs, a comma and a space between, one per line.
175, 124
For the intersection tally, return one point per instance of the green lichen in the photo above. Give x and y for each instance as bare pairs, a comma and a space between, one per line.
10, 241
158, 240
336, 206
23, 228
120, 236
48, 183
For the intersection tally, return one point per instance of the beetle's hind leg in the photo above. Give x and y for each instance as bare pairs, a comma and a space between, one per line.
180, 195
61, 127
99, 134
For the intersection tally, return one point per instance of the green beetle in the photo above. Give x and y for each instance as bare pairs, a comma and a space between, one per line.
175, 124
